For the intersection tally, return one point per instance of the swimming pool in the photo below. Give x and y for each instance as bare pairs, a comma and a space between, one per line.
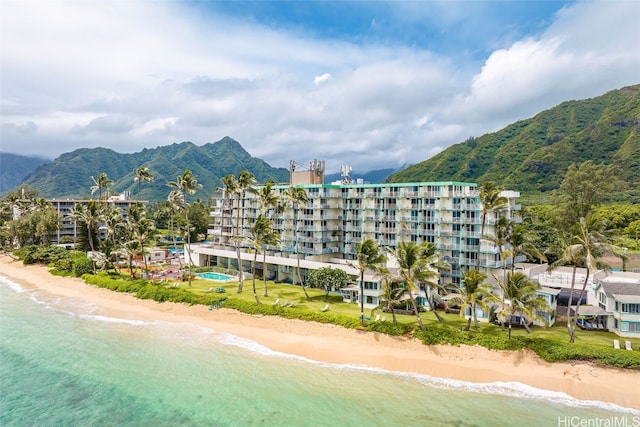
219, 277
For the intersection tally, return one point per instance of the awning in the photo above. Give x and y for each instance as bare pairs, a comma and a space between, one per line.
450, 296
592, 310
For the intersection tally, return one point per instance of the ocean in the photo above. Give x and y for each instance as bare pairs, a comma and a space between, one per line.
63, 363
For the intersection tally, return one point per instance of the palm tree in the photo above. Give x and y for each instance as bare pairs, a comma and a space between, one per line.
415, 267
102, 181
500, 237
390, 297
430, 281
588, 246
262, 234
176, 204
520, 298
115, 225
229, 189
474, 294
368, 257
142, 174
244, 183
267, 198
141, 229
91, 214
491, 201
186, 183
523, 242
296, 196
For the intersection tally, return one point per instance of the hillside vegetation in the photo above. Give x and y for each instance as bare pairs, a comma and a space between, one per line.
69, 176
532, 155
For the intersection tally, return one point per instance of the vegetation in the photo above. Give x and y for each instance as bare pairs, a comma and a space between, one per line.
368, 257
328, 278
534, 155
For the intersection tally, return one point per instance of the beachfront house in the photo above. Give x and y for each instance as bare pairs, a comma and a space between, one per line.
618, 303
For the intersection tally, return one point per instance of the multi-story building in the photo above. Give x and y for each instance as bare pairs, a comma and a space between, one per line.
68, 227
324, 231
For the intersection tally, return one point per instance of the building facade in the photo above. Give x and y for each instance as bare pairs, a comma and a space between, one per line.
325, 230
68, 226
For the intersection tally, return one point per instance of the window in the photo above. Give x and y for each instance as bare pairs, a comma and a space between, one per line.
630, 326
631, 308
602, 300
371, 285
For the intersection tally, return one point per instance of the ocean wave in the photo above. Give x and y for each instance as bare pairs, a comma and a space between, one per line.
10, 284
508, 389
499, 388
107, 319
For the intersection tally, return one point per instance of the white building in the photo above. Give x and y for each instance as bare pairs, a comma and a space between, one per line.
325, 230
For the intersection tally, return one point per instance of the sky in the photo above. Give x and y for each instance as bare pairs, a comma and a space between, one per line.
371, 84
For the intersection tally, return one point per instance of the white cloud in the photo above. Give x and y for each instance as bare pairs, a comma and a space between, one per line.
322, 79
129, 75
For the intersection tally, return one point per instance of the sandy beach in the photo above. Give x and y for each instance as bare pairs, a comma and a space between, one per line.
333, 344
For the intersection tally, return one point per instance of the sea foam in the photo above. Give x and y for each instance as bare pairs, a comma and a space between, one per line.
10, 284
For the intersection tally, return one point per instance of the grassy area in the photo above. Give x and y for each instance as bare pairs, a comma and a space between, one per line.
286, 292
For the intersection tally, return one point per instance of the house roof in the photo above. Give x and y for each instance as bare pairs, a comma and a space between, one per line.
549, 291
621, 290
627, 298
592, 310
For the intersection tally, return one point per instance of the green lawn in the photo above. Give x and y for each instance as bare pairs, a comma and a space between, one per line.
286, 292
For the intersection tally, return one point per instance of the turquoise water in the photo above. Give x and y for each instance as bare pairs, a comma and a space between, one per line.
63, 363
215, 276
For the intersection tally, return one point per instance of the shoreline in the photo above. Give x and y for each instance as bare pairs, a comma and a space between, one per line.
336, 345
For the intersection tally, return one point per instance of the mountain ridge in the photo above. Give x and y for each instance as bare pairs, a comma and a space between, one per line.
532, 155
69, 176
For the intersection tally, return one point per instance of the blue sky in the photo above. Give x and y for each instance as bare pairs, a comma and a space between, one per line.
373, 84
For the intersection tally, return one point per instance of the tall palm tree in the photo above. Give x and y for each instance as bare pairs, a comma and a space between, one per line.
91, 214
433, 264
244, 183
500, 238
186, 183
115, 227
296, 196
262, 234
102, 181
141, 230
588, 246
491, 201
520, 298
473, 295
229, 190
142, 174
368, 257
176, 204
414, 267
267, 198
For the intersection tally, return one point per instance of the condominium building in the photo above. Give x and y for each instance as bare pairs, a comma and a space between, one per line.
325, 230
68, 227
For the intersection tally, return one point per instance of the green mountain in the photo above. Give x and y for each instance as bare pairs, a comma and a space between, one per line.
14, 168
532, 155
69, 176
